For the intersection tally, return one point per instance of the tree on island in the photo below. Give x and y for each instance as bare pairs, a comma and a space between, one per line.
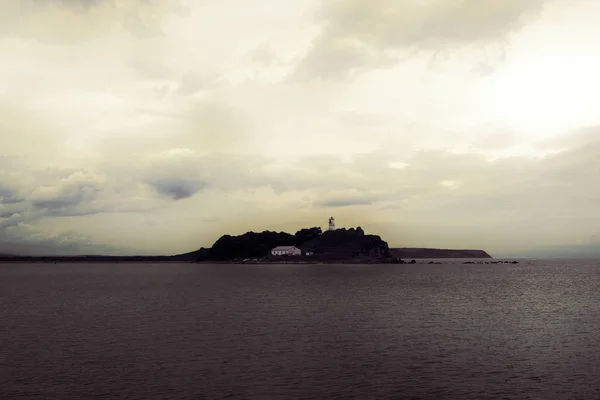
306, 234
249, 245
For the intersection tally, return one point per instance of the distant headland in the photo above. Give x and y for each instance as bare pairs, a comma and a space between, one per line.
408, 252
308, 245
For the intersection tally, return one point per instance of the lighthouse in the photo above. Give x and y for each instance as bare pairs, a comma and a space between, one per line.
331, 224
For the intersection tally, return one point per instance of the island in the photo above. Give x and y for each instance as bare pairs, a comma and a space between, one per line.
308, 245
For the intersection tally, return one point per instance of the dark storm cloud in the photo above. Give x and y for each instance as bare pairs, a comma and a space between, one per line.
177, 189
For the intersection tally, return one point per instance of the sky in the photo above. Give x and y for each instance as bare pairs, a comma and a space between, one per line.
156, 126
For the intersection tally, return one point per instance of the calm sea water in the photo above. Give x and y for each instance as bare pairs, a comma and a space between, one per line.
184, 331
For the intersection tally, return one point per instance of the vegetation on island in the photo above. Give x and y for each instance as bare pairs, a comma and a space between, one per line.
316, 245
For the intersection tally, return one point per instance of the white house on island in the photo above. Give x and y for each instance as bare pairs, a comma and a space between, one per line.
286, 251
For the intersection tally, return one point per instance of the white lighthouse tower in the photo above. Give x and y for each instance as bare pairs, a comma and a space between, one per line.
331, 224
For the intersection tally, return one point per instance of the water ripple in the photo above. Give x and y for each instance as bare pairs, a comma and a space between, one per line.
182, 331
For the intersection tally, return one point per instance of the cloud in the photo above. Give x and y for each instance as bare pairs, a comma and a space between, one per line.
494, 137
25, 239
489, 196
133, 124
56, 21
344, 202
263, 55
71, 191
9, 195
69, 194
192, 83
359, 35
51, 195
481, 189
178, 189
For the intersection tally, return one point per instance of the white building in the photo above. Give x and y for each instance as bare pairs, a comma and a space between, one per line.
286, 251
331, 224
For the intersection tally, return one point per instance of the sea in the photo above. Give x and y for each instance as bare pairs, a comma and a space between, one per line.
197, 331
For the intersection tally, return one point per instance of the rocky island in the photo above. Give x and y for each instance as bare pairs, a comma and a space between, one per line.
308, 245
312, 245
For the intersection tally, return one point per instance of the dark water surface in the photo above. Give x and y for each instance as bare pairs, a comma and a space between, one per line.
184, 331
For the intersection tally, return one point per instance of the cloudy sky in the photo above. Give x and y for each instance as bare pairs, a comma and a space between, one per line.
155, 126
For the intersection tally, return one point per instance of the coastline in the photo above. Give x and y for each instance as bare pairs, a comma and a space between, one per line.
121, 260
306, 246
